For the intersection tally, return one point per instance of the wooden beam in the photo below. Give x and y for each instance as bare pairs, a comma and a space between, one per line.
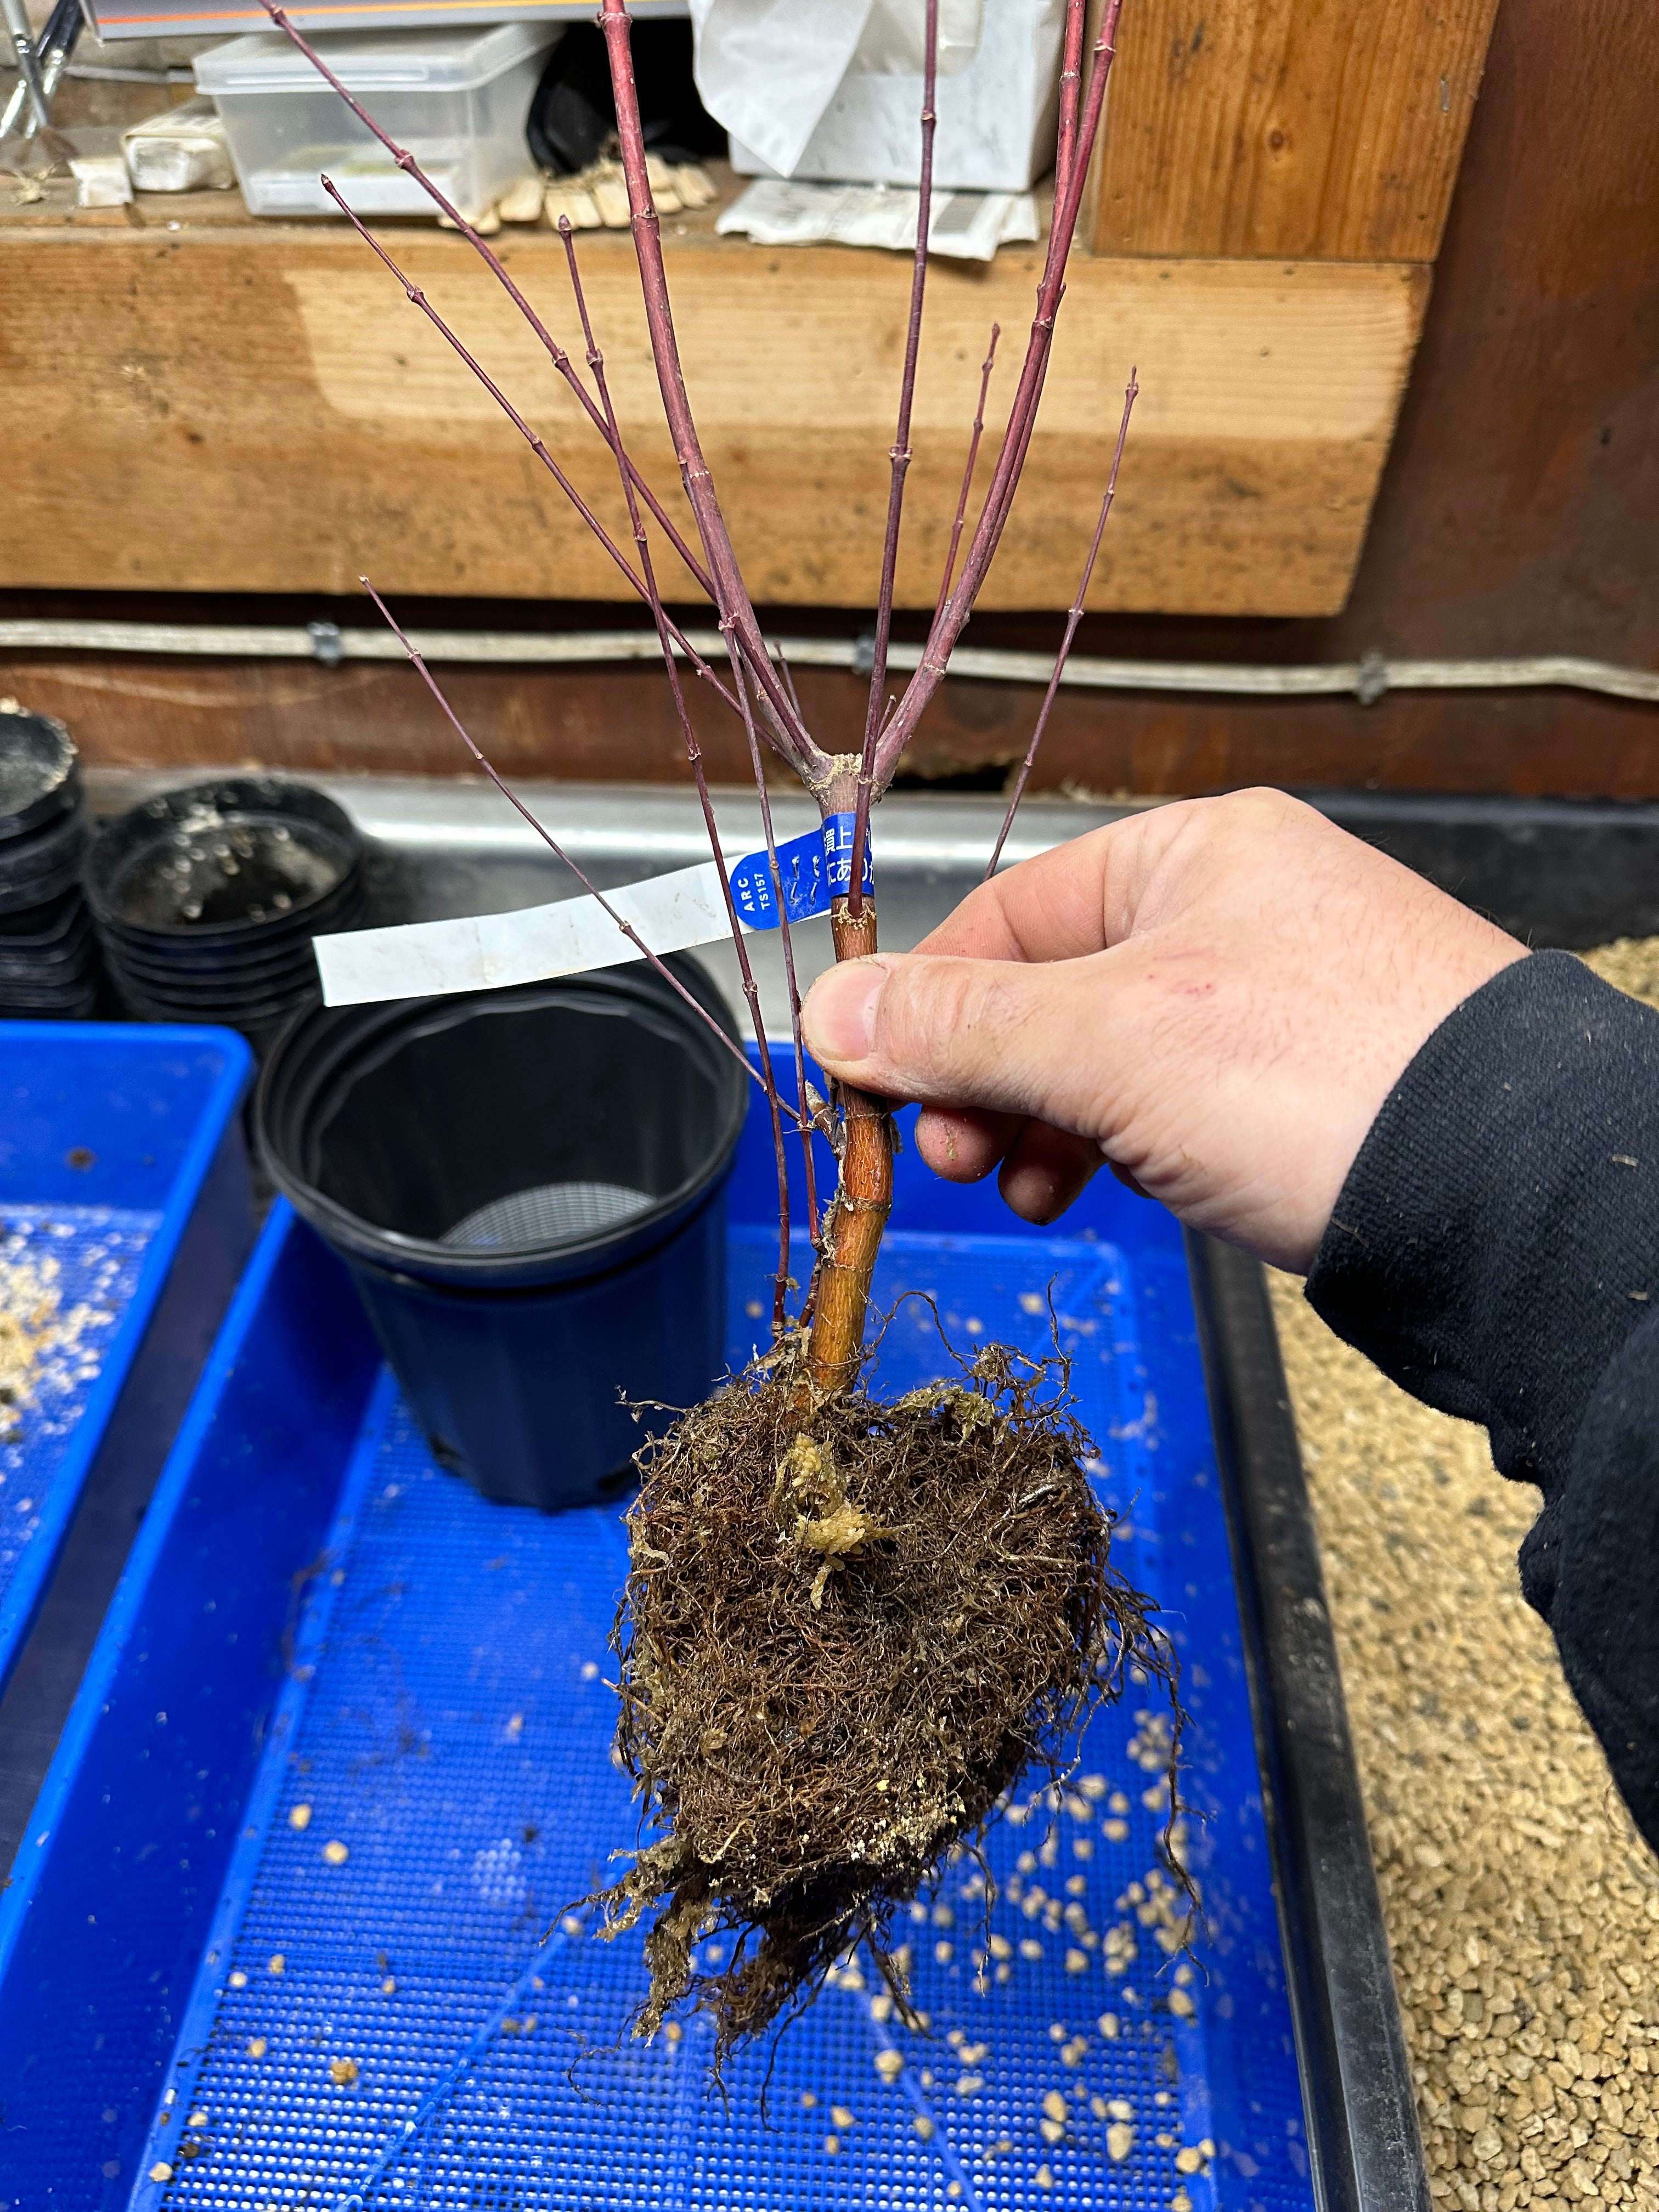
1325, 128
605, 723
256, 407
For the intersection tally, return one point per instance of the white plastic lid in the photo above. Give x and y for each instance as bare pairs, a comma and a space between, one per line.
373, 61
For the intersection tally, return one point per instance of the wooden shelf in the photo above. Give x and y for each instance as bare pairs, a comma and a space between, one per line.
199, 401
1278, 127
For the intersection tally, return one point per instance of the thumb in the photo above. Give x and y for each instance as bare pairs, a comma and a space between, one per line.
1001, 1035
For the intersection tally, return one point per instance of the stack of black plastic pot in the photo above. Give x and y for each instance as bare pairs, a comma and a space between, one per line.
48, 954
207, 900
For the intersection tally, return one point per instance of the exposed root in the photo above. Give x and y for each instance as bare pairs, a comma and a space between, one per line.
842, 1639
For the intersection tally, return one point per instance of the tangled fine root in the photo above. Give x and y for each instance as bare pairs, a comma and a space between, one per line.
847, 1630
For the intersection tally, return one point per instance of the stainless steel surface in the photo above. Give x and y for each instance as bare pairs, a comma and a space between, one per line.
453, 848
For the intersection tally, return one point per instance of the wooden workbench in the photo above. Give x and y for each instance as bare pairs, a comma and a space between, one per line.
198, 401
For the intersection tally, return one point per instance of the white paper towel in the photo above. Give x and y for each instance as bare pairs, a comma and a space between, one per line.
895, 38
965, 226
767, 69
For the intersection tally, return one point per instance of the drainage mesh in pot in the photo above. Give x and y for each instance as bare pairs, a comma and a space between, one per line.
550, 1213
399, 2007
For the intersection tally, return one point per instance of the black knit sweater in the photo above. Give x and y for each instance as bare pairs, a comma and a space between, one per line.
1496, 1250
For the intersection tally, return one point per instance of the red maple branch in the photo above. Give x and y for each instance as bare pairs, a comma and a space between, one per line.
985, 368
1074, 615
786, 942
699, 776
1071, 87
1021, 417
556, 353
899, 456
809, 762
851, 1229
418, 298
786, 735
556, 848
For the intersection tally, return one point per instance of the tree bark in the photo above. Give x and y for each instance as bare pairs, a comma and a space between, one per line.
863, 1200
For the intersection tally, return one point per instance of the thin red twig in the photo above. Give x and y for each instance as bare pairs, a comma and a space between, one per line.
785, 940
492, 261
899, 456
780, 657
553, 845
985, 368
808, 761
556, 353
1073, 617
1021, 434
816, 1232
418, 298
694, 754
1071, 88
1022, 416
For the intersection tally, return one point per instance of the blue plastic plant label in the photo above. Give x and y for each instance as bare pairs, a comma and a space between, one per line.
813, 869
837, 833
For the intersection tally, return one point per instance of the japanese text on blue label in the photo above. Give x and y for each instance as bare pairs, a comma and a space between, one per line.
813, 870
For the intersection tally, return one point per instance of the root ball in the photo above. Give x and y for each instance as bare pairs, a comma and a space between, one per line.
849, 1629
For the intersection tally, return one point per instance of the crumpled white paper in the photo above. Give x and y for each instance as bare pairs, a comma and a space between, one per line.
964, 226
767, 69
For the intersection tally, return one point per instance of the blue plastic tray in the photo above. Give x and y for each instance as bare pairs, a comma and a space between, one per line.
300, 1933
108, 1136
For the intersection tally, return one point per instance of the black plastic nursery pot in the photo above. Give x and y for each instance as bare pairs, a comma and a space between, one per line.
40, 774
40, 867
208, 898
48, 959
261, 1021
225, 862
529, 1188
62, 944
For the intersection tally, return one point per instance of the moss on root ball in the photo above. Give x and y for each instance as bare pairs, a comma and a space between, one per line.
849, 1627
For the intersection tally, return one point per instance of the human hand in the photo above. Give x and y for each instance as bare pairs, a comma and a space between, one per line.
1215, 997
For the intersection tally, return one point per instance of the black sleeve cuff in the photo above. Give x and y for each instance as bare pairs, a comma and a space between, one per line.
1496, 1250
1590, 1566
1498, 1237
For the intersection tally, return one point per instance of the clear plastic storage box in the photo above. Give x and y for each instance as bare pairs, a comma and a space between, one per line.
456, 99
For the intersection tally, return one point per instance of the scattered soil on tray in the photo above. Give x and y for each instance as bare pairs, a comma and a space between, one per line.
33, 1326
1523, 1906
840, 1643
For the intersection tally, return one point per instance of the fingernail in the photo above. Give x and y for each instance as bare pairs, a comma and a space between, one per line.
839, 1014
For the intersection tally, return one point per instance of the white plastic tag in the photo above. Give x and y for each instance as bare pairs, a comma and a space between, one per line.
483, 951
480, 952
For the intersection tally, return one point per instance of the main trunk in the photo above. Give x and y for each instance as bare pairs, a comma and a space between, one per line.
857, 1213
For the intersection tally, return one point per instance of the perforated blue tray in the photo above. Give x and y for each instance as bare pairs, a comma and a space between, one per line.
298, 1932
108, 1136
